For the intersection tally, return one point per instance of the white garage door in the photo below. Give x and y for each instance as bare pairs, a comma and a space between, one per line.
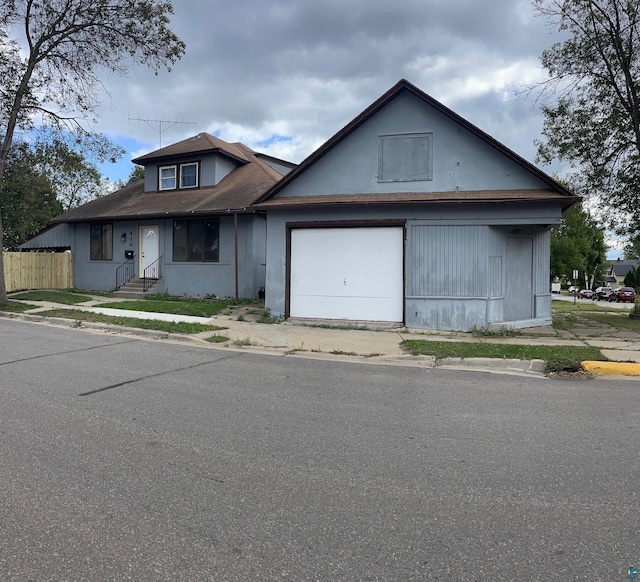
347, 273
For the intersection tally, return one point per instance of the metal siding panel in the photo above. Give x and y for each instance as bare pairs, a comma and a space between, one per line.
447, 261
542, 261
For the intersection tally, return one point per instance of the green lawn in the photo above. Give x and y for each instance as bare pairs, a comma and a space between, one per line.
603, 306
15, 307
155, 324
64, 297
556, 358
197, 307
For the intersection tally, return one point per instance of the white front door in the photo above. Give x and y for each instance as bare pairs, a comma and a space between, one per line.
149, 250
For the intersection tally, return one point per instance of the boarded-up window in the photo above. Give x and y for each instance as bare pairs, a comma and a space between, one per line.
405, 157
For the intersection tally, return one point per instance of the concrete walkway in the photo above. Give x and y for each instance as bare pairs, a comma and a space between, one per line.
375, 345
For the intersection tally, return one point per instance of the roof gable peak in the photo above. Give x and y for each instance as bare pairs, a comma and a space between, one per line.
200, 143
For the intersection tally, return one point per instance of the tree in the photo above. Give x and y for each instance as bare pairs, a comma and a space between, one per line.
27, 197
66, 44
136, 173
631, 279
592, 108
74, 177
578, 243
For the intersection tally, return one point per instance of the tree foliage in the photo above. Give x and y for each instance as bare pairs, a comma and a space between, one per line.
631, 279
136, 173
74, 176
578, 243
591, 100
52, 53
27, 197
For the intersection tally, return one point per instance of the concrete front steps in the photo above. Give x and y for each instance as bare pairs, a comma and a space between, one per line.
133, 289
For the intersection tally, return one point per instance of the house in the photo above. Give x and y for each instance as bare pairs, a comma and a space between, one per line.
188, 227
412, 215
617, 271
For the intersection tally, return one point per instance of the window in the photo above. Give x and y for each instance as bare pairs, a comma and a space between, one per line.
101, 242
196, 240
187, 177
168, 178
405, 157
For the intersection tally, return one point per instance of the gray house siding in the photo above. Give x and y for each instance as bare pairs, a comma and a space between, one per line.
476, 216
180, 278
458, 276
456, 270
461, 160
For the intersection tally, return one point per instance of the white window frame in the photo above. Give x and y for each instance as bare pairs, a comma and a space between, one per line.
197, 167
175, 177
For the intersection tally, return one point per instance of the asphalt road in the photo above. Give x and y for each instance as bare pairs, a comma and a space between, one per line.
125, 459
574, 299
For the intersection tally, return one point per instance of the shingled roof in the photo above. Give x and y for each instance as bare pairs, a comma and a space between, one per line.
203, 142
234, 193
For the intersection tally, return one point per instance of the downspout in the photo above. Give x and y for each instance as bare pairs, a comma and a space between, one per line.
235, 228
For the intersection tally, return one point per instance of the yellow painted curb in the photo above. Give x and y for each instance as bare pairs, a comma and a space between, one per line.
613, 368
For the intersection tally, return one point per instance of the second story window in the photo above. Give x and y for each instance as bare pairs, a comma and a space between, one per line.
178, 176
189, 175
168, 178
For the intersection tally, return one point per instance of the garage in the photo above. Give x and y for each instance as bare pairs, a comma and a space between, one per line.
347, 273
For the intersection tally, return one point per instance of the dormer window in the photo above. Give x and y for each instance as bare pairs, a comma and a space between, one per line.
168, 178
179, 176
189, 175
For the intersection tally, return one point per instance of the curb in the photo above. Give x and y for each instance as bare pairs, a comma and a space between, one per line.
612, 368
496, 365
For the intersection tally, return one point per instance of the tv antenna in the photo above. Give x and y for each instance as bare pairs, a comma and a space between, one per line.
160, 125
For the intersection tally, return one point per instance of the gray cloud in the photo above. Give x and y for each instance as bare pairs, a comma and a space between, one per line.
302, 69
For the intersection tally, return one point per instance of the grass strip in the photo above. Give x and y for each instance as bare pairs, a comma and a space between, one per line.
566, 306
217, 339
154, 324
556, 358
15, 307
195, 307
616, 320
64, 297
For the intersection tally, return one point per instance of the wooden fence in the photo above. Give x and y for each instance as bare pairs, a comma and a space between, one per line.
38, 271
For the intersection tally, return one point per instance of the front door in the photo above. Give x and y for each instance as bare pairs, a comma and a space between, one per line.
149, 251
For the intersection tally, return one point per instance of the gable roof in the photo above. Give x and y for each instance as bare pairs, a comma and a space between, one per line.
234, 193
203, 142
621, 268
556, 191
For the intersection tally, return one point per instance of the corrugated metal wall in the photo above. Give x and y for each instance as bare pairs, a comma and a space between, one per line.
447, 261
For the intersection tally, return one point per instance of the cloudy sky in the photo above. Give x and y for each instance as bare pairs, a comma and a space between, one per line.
282, 76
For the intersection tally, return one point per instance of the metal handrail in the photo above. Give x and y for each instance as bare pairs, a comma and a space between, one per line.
151, 274
125, 273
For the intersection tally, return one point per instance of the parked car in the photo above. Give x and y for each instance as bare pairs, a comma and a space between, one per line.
585, 294
573, 289
602, 293
623, 294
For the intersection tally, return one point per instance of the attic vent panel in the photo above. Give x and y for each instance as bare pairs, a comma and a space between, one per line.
405, 157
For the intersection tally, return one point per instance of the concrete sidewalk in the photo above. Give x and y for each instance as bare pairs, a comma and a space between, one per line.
375, 345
